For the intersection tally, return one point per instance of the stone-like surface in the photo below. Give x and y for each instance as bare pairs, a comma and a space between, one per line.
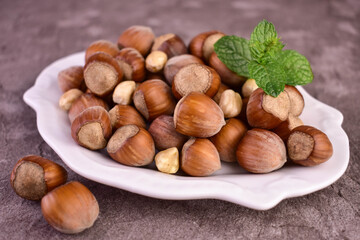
35, 33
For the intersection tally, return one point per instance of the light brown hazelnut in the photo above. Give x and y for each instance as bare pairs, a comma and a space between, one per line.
202, 45
33, 176
67, 99
167, 161
132, 64
156, 61
139, 37
171, 44
72, 77
248, 87
101, 46
121, 115
123, 92
296, 100
230, 103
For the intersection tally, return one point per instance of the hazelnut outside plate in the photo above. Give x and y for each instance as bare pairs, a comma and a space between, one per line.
231, 183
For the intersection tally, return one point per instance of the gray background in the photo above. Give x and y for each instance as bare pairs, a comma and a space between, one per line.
35, 33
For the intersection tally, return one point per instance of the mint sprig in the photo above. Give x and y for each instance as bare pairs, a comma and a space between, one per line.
263, 59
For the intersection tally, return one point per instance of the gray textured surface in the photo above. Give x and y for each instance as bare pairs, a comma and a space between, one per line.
35, 33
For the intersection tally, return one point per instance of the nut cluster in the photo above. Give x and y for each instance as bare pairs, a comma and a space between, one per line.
185, 103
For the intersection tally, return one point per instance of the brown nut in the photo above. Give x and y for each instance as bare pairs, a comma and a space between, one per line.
132, 64
102, 73
165, 136
72, 77
67, 99
217, 96
131, 145
230, 103
153, 98
101, 46
261, 151
70, 208
156, 61
121, 115
167, 161
197, 115
265, 111
34, 176
123, 92
296, 100
171, 44
248, 87
199, 157
174, 64
92, 128
284, 129
196, 78
227, 140
139, 37
308, 146
202, 45
86, 100
227, 76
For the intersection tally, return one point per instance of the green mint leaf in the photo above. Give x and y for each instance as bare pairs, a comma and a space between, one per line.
264, 41
270, 76
234, 52
296, 66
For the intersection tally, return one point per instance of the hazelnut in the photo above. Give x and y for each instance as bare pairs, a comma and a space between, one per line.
72, 77
165, 136
227, 76
308, 146
261, 151
171, 44
248, 87
86, 100
202, 45
155, 61
70, 208
153, 98
167, 161
265, 111
230, 103
131, 145
121, 115
196, 78
284, 129
296, 100
217, 96
197, 115
123, 92
92, 128
102, 73
227, 140
67, 99
34, 176
101, 46
139, 37
174, 64
199, 157
132, 64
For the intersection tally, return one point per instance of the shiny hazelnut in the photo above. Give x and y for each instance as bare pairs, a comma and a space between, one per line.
121, 115
230, 103
261, 151
131, 145
34, 176
196, 78
153, 98
86, 100
202, 45
171, 44
123, 92
132, 64
101, 46
227, 140
72, 77
197, 115
248, 87
70, 208
165, 136
92, 128
167, 161
199, 157
265, 111
156, 61
308, 146
102, 73
174, 64
67, 99
227, 76
139, 37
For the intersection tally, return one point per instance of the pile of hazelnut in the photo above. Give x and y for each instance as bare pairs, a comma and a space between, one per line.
148, 93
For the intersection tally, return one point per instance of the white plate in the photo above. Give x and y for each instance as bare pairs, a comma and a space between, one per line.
231, 183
